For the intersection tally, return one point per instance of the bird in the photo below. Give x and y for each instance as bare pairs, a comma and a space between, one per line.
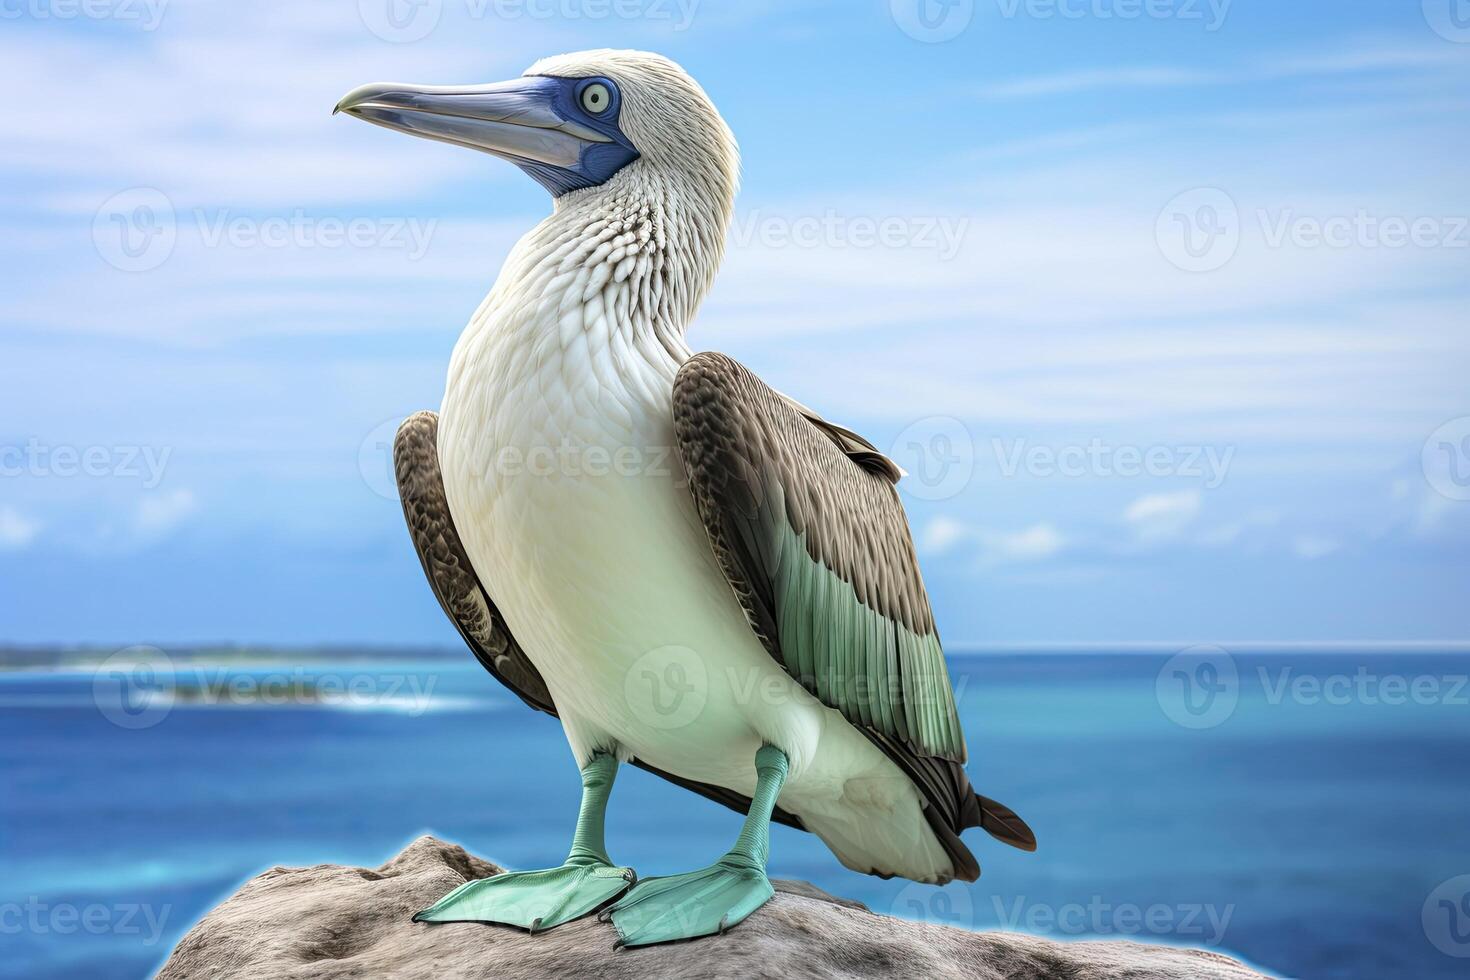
695, 573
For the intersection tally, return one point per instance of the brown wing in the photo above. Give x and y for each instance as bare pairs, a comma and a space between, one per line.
463, 598
808, 528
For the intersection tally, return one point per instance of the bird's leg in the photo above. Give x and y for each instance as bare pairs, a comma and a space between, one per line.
701, 903
538, 900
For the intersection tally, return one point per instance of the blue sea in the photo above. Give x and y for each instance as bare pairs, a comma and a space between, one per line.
1307, 811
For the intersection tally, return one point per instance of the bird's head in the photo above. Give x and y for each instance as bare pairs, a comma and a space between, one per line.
575, 121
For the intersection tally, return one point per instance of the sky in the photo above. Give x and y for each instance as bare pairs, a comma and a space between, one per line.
1161, 303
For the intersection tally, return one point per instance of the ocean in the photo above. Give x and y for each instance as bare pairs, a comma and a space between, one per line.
1305, 810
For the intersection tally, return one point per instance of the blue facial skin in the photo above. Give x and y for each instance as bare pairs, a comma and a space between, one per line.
599, 160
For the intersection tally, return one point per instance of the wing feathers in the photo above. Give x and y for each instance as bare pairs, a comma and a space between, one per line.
807, 526
762, 471
447, 567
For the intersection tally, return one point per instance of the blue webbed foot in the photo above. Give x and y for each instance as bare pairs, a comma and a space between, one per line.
686, 906
533, 900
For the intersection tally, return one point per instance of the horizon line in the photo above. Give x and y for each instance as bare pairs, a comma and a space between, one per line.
1026, 646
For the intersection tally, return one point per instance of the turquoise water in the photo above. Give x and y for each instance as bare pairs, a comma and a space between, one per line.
1315, 829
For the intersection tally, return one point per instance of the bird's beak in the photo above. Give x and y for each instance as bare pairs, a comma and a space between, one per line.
518, 120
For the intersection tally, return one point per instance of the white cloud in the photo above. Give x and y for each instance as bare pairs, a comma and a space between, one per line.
16, 530
941, 535
1032, 544
1233, 532
159, 513
1433, 513
1156, 516
1157, 506
1310, 547
1418, 514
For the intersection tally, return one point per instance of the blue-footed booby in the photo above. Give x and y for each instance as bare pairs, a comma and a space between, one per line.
693, 572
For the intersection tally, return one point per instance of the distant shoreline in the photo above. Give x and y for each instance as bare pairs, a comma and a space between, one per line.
68, 658
30, 658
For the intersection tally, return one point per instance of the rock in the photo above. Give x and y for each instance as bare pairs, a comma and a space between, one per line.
331, 921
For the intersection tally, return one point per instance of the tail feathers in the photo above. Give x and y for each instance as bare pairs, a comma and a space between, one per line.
999, 821
951, 804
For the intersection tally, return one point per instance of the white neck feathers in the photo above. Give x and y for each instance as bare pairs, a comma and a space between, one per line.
622, 267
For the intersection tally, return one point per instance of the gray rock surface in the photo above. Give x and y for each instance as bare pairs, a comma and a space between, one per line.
330, 921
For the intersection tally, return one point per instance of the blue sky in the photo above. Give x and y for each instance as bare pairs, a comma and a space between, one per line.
1226, 239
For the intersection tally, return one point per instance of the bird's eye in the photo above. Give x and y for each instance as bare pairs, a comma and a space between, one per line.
596, 98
